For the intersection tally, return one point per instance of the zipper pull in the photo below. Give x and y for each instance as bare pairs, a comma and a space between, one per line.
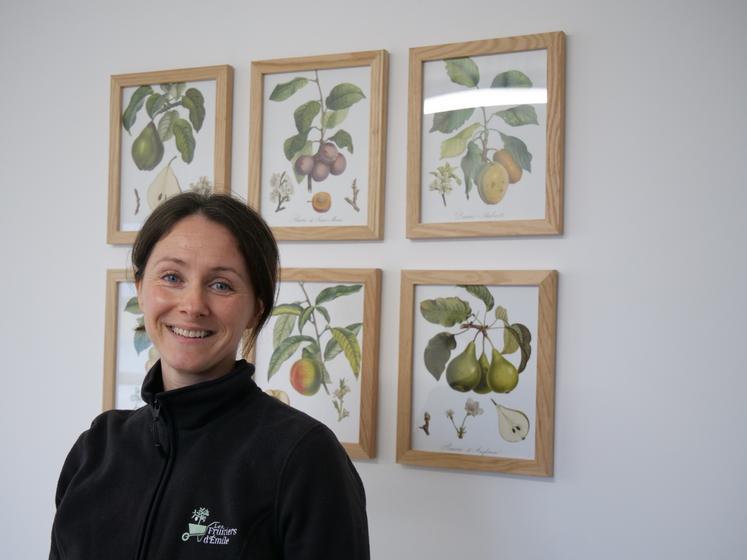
156, 411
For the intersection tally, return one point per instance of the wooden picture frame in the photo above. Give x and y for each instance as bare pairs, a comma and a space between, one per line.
511, 310
128, 353
470, 170
188, 146
305, 192
290, 348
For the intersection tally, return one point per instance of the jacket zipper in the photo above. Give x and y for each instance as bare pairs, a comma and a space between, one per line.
159, 426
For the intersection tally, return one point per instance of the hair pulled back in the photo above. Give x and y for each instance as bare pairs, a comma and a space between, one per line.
253, 236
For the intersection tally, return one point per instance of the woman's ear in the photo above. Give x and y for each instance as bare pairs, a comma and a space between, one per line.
257, 314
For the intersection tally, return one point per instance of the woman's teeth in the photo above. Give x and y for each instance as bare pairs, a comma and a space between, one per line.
189, 334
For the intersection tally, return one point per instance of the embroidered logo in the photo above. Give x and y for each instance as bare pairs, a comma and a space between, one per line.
212, 533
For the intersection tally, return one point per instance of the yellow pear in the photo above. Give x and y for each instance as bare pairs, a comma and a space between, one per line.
502, 375
164, 186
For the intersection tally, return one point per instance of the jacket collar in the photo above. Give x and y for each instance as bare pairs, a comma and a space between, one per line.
198, 404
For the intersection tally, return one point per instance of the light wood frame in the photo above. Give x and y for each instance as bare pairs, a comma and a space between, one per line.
223, 77
113, 279
542, 464
552, 223
379, 63
365, 447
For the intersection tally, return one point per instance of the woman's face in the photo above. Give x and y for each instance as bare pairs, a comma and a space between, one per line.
197, 300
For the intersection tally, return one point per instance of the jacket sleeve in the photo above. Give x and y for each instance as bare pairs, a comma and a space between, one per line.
321, 503
69, 468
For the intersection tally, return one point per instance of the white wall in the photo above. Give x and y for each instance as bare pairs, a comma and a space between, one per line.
650, 432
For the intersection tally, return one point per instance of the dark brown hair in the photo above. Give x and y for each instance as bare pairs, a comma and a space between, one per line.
253, 236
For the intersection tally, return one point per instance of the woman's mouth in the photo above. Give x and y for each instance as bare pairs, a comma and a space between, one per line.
189, 333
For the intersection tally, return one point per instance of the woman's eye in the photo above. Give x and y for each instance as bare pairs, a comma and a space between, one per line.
221, 286
170, 277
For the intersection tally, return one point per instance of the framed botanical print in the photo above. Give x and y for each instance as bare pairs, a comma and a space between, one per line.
317, 155
477, 370
170, 132
485, 138
319, 351
128, 352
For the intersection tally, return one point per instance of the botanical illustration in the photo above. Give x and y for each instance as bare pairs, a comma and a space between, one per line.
309, 326
320, 146
164, 114
140, 340
496, 353
480, 150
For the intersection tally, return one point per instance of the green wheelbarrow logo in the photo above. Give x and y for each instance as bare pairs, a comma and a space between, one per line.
197, 529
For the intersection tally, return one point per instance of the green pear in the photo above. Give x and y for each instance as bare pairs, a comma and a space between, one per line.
147, 149
483, 387
502, 375
463, 372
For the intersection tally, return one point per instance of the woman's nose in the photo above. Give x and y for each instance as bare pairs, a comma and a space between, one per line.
193, 301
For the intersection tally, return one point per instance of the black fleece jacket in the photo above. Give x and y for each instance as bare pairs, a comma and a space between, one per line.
214, 470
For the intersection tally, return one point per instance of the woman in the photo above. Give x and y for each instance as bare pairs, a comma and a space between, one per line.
212, 467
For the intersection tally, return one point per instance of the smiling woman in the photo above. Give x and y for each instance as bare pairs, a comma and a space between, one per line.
211, 459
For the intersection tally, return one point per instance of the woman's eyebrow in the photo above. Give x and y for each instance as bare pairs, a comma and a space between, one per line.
170, 259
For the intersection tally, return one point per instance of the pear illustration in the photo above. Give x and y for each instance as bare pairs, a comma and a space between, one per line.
463, 372
502, 375
163, 186
147, 149
513, 425
483, 387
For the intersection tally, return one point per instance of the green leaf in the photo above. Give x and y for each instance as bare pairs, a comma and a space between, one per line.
333, 292
456, 145
132, 306
332, 349
287, 309
174, 89
306, 114
185, 142
334, 118
135, 104
282, 329
343, 140
350, 347
295, 144
307, 150
463, 71
501, 313
449, 121
471, 164
281, 92
520, 115
438, 352
155, 103
512, 78
518, 151
141, 340
283, 351
326, 378
525, 344
511, 339
324, 312
165, 125
343, 96
195, 103
481, 292
445, 311
305, 316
